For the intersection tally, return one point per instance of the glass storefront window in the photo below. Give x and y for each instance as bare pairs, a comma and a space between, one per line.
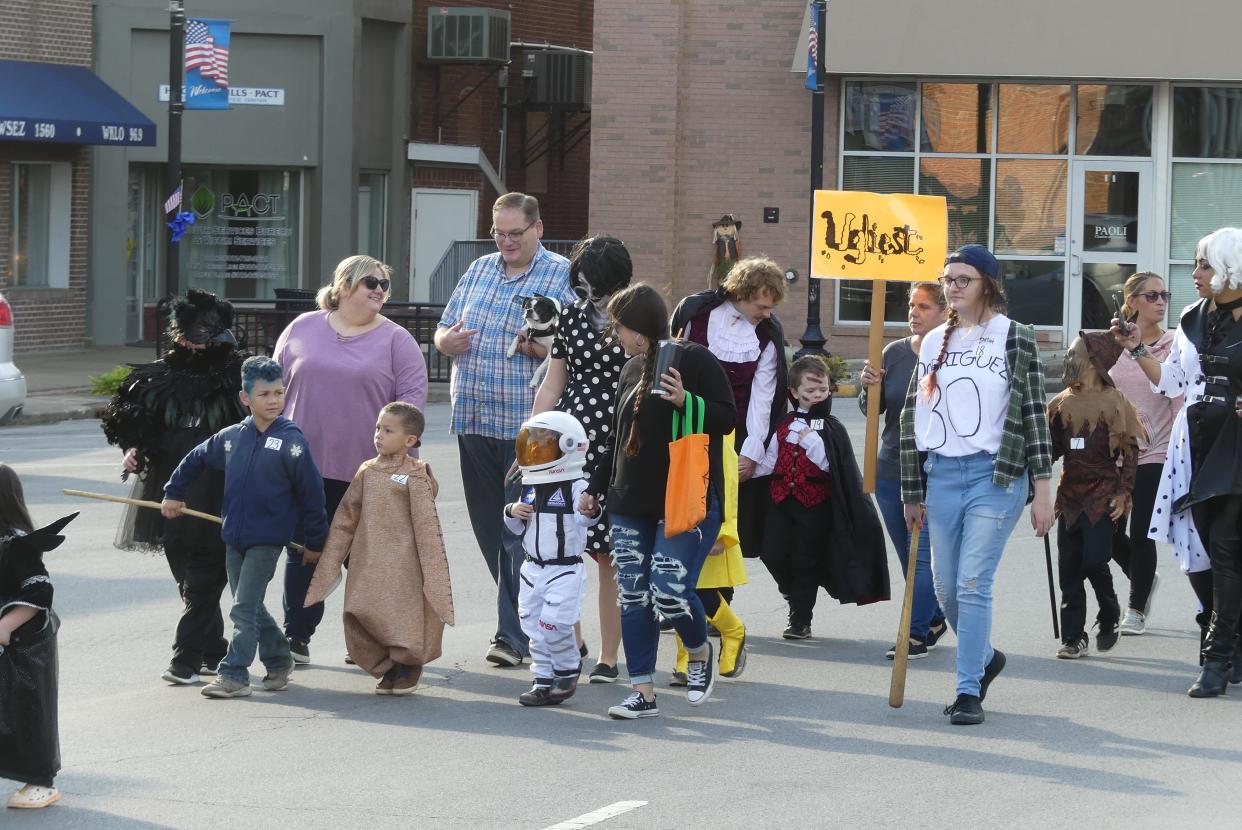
1114, 119
1207, 122
1205, 197
966, 186
1034, 118
31, 221
957, 118
246, 240
877, 174
879, 115
1035, 290
1030, 206
371, 214
1111, 211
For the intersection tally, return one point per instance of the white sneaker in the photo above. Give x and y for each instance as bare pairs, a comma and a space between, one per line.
34, 797
1135, 623
1155, 583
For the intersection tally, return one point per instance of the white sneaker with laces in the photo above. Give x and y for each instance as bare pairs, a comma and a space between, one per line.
1135, 623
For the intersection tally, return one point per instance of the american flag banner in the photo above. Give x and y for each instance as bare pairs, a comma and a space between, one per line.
812, 50
206, 64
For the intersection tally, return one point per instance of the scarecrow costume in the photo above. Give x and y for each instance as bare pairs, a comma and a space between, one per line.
163, 410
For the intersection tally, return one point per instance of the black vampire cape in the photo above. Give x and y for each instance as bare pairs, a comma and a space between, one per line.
165, 409
29, 735
1215, 430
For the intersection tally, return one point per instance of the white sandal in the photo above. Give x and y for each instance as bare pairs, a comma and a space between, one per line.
33, 797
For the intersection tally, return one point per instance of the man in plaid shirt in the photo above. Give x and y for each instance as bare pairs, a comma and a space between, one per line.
490, 392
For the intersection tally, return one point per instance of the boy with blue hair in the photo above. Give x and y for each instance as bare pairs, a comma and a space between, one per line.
271, 485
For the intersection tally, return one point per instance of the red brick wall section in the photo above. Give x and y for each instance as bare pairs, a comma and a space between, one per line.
48, 31
446, 110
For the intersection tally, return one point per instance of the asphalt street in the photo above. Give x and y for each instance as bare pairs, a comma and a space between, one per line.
804, 739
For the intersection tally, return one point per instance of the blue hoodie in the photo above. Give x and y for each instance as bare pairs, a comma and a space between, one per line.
271, 484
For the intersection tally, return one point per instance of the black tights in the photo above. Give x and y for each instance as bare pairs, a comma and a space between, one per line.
1219, 523
1135, 553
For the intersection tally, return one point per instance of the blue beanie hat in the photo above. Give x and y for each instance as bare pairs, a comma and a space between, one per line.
978, 257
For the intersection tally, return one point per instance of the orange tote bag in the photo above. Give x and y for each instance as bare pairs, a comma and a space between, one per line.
689, 471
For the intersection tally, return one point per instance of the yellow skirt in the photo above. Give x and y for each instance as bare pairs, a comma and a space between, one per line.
728, 569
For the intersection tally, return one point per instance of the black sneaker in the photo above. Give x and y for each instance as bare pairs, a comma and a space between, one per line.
1074, 648
504, 655
1107, 636
917, 650
934, 633
603, 673
994, 667
967, 710
793, 631
701, 677
540, 694
300, 649
634, 706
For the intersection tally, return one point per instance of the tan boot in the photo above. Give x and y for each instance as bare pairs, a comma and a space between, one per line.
732, 641
680, 678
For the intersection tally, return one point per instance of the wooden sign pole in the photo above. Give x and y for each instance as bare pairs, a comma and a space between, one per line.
875, 346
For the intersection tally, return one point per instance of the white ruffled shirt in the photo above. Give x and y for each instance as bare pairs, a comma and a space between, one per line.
732, 338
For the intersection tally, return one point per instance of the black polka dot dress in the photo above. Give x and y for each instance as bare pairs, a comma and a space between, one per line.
593, 364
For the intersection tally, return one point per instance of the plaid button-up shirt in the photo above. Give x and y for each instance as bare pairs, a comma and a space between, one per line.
1025, 444
491, 392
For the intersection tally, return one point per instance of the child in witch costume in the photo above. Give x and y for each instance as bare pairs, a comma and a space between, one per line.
551, 453
821, 530
29, 740
162, 411
1097, 431
398, 596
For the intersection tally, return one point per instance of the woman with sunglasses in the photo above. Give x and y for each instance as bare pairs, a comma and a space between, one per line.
1146, 300
343, 363
975, 406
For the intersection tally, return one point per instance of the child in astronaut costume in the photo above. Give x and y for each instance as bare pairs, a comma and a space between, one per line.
551, 452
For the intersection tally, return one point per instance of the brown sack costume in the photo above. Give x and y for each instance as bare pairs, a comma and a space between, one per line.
398, 596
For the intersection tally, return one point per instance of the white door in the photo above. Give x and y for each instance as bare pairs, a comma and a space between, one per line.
437, 219
1111, 229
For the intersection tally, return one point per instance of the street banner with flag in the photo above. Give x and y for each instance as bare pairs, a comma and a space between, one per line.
174, 201
812, 50
206, 64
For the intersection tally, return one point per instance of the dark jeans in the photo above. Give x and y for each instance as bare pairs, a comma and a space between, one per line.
793, 550
926, 613
1217, 521
300, 623
484, 463
1136, 554
1083, 554
201, 579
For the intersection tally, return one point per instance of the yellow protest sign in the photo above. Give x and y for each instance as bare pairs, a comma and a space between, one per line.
878, 236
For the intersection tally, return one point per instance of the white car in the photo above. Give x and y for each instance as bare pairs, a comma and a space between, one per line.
12, 381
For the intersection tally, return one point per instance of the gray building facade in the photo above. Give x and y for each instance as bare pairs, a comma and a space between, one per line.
307, 166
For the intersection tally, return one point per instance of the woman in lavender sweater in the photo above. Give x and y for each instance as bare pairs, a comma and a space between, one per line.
342, 364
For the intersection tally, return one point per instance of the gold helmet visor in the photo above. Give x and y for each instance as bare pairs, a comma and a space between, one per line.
537, 446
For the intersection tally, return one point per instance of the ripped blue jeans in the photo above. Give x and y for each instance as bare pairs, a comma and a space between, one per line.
969, 519
658, 574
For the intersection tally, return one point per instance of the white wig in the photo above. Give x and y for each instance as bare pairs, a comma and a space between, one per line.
1223, 251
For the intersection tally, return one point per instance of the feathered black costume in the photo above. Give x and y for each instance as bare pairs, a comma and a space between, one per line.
164, 410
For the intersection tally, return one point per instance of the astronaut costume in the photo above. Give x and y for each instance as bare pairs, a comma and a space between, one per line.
551, 452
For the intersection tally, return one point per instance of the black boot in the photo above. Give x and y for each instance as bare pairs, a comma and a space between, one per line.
1235, 665
1211, 682
1204, 619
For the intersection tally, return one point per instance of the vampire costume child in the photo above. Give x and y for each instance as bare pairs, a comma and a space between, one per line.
163, 410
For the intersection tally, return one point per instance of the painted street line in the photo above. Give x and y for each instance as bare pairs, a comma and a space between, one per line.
596, 816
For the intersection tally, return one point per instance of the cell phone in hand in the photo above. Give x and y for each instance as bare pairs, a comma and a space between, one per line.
1125, 322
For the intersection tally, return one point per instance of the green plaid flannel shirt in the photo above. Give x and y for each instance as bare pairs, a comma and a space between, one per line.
1025, 443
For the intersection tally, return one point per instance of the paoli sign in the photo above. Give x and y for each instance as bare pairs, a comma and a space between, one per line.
876, 236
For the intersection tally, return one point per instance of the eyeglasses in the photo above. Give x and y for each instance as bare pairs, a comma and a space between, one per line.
373, 283
960, 282
1153, 296
512, 236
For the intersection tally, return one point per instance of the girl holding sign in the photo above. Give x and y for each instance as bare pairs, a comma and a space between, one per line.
975, 407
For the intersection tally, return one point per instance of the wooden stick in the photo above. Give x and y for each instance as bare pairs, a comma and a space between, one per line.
154, 505
901, 659
875, 348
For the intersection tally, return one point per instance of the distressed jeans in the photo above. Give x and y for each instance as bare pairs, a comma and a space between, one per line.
969, 519
658, 574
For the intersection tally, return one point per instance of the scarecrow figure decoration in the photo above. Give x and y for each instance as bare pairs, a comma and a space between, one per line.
725, 237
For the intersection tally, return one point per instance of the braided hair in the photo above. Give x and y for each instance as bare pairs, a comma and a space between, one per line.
632, 442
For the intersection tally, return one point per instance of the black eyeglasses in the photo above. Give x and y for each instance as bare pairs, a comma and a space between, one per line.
512, 236
1153, 296
373, 283
960, 282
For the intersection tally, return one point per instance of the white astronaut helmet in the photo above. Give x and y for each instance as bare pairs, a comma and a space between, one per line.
551, 447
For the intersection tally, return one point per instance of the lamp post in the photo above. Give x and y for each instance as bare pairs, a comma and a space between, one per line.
176, 60
813, 339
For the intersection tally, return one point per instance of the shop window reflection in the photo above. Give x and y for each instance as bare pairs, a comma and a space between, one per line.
957, 118
1035, 290
1034, 118
1207, 122
879, 115
965, 184
1030, 205
1114, 119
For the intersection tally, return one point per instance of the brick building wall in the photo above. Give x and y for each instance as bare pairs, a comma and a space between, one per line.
47, 31
697, 114
449, 109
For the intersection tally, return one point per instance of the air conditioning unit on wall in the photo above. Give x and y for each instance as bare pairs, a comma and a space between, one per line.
467, 35
557, 81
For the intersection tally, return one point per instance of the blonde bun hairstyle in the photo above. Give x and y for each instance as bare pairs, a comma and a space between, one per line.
348, 272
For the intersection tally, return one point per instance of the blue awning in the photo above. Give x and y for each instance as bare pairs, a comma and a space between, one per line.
53, 103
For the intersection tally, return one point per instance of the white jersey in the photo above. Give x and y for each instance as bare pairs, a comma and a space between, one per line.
966, 414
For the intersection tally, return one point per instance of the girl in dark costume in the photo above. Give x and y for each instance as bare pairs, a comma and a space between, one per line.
1204, 519
164, 410
29, 741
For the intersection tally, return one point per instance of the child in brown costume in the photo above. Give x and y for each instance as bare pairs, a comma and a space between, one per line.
398, 596
1097, 430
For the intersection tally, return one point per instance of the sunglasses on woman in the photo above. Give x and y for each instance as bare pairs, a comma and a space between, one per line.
1153, 296
373, 283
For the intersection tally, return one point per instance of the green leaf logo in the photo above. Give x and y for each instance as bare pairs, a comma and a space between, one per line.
203, 200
